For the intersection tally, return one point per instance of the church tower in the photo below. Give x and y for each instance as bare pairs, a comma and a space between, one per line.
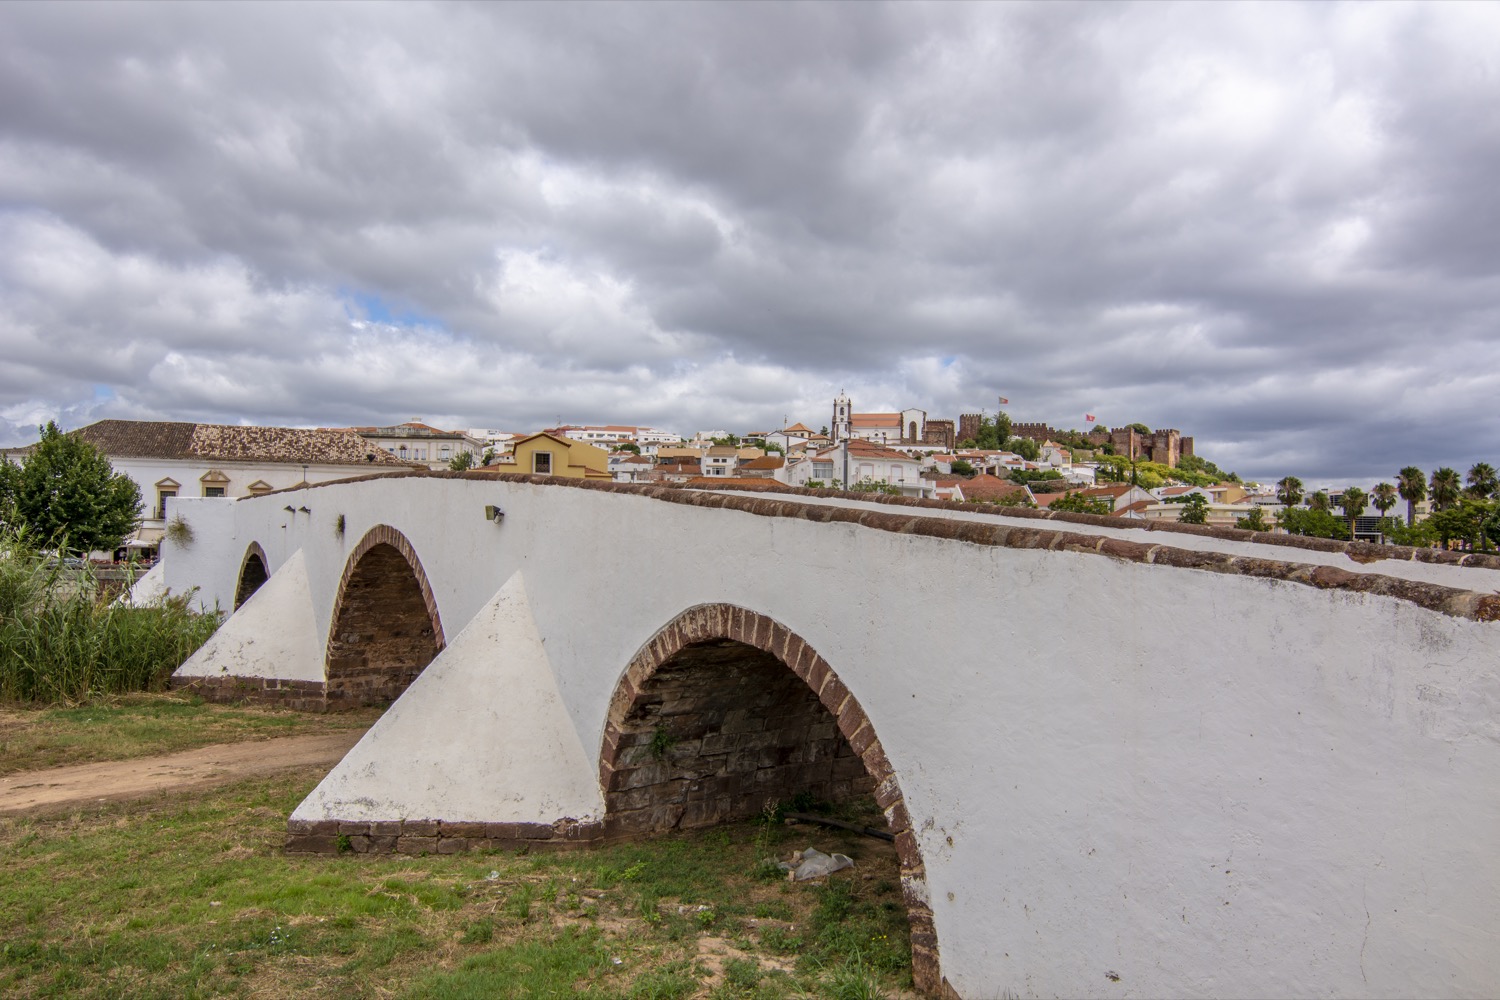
842, 424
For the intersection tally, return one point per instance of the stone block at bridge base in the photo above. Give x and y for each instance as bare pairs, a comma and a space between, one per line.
436, 836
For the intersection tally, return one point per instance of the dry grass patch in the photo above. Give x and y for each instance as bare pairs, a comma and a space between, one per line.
124, 727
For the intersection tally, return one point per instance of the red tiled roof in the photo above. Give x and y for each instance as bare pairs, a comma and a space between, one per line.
232, 443
1113, 490
987, 487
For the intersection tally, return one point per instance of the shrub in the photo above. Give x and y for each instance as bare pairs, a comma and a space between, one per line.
61, 642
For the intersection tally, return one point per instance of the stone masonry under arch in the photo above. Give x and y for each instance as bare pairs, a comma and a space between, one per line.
386, 627
752, 712
254, 571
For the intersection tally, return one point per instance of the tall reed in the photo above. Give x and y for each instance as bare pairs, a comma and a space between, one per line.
60, 641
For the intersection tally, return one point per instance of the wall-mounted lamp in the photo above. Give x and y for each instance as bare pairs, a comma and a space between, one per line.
304, 510
290, 509
493, 513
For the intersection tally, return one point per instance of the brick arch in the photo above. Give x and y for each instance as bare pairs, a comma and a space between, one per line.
255, 570
385, 627
708, 627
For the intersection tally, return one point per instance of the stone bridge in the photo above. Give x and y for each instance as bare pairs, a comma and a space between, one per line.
1117, 761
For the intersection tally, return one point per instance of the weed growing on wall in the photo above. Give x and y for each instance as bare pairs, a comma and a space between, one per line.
61, 642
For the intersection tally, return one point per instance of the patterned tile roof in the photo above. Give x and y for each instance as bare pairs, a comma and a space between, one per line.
230, 443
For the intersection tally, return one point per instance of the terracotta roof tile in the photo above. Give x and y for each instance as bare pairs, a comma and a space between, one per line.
230, 443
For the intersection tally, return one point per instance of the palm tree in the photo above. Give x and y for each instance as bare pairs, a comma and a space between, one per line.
1383, 497
1445, 487
1353, 503
1411, 483
1483, 481
1289, 491
1319, 501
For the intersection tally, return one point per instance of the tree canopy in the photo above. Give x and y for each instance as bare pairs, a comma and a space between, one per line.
1312, 522
65, 494
1080, 504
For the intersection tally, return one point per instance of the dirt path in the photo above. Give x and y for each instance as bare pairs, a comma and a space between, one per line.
69, 787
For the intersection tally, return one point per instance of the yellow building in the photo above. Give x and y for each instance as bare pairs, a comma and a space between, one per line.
547, 455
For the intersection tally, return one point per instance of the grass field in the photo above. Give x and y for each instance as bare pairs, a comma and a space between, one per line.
190, 895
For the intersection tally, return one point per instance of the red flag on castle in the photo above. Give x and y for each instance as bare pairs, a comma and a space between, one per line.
1088, 418
1003, 401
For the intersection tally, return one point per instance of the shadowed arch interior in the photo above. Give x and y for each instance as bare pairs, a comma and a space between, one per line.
253, 572
724, 710
385, 625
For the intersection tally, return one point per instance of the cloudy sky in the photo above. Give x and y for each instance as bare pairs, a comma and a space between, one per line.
1275, 227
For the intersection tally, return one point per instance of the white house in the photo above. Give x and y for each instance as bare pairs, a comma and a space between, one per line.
415, 441
720, 461
169, 459
628, 468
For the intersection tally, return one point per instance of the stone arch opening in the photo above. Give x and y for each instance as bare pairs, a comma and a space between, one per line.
385, 626
724, 709
253, 573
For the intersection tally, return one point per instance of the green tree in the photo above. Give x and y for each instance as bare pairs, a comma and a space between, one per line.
1468, 520
488, 457
962, 467
1253, 521
1024, 476
463, 460
1411, 483
875, 486
1139, 428
1444, 487
629, 446
1398, 531
1077, 503
1025, 447
66, 494
1289, 491
1194, 509
1353, 502
771, 448
1319, 501
1483, 483
1312, 522
1383, 497
1002, 427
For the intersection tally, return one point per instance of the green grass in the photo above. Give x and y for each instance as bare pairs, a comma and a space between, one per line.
191, 896
128, 726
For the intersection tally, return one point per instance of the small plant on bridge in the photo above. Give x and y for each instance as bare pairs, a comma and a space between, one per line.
179, 532
662, 741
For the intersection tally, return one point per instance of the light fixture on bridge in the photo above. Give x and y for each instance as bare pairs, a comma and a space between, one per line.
493, 513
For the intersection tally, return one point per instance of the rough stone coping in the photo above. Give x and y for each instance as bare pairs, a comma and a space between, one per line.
1454, 601
432, 836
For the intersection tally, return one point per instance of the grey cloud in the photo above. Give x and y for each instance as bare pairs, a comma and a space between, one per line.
1272, 227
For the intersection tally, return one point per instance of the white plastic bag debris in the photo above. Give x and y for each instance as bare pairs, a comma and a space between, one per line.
813, 863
